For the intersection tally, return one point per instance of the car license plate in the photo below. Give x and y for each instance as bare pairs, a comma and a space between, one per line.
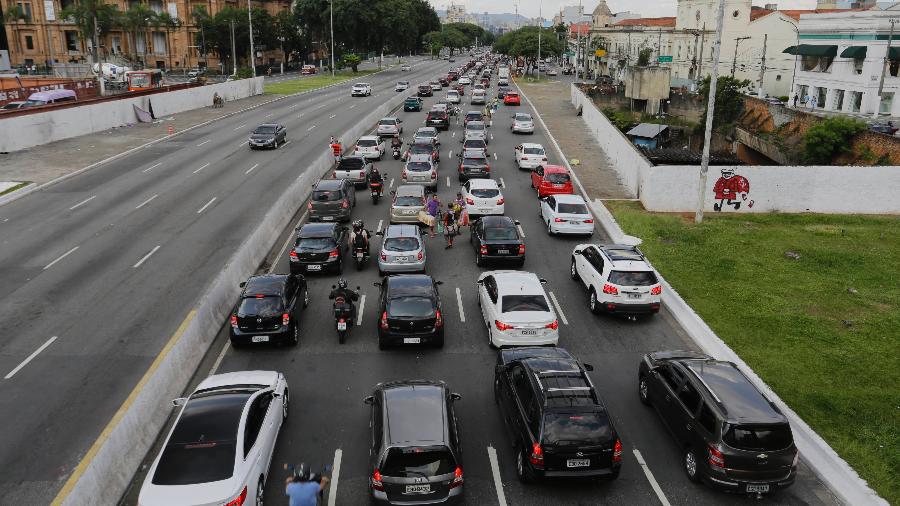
401, 259
758, 488
557, 186
342, 325
327, 218
529, 332
418, 489
484, 210
260, 339
314, 267
634, 296
412, 340
503, 252
578, 463
359, 256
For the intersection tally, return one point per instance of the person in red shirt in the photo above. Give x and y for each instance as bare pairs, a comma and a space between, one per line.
337, 149
730, 190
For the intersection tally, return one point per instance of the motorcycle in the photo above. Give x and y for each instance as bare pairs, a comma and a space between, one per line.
360, 255
376, 189
396, 152
343, 316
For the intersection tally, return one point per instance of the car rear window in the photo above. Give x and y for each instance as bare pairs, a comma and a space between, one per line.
410, 307
474, 162
484, 193
523, 117
573, 208
418, 462
315, 244
326, 195
418, 149
475, 144
388, 121
262, 306
401, 244
500, 233
513, 303
475, 126
758, 438
264, 130
409, 201
350, 163
418, 166
534, 151
473, 117
632, 278
367, 143
591, 428
556, 178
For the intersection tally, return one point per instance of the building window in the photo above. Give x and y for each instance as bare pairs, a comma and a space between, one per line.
156, 6
778, 77
72, 40
893, 67
887, 100
26, 8
855, 101
838, 100
820, 97
159, 43
29, 42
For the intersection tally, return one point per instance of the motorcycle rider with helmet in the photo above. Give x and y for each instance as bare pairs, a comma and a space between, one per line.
349, 295
375, 177
302, 489
359, 236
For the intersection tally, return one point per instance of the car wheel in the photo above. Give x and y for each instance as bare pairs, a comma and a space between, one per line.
642, 390
275, 144
479, 261
260, 490
691, 465
305, 297
573, 271
295, 336
285, 404
593, 304
549, 228
523, 472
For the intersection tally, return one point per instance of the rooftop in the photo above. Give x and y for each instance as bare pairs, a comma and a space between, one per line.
758, 12
662, 22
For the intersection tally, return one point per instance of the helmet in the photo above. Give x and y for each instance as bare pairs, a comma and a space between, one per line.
358, 224
342, 283
301, 472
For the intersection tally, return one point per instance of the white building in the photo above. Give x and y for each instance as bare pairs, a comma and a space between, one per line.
841, 60
456, 13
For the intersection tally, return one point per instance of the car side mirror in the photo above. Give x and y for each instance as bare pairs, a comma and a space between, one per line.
577, 252
479, 282
455, 396
516, 222
588, 367
243, 284
439, 282
181, 401
369, 400
377, 283
543, 281
381, 233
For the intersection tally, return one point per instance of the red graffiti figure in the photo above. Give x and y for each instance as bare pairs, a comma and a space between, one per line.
731, 190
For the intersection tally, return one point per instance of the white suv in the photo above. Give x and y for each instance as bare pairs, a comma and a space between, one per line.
361, 90
370, 146
530, 156
618, 278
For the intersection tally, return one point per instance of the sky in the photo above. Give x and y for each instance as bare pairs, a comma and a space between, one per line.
647, 8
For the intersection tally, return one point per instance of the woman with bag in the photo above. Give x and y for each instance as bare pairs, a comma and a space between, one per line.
433, 208
451, 228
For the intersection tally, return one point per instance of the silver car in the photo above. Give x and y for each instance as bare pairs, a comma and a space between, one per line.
427, 133
389, 127
476, 130
402, 250
407, 201
420, 169
522, 123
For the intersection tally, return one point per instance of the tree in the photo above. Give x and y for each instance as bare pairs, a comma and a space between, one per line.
351, 60
644, 57
93, 19
167, 22
137, 19
287, 33
13, 16
729, 99
829, 138
203, 20
524, 42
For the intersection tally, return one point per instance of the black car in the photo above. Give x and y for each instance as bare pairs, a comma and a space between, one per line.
731, 435
474, 165
319, 247
438, 119
267, 310
415, 455
332, 200
501, 92
425, 90
410, 311
557, 421
496, 238
444, 82
412, 104
268, 135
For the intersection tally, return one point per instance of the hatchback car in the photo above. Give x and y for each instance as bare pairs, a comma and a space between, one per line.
425, 90
551, 180
268, 310
618, 279
475, 164
731, 435
402, 86
429, 133
479, 97
370, 146
516, 310
319, 247
389, 127
476, 130
530, 156
522, 123
512, 98
268, 135
420, 169
566, 214
472, 116
496, 239
453, 97
410, 311
465, 80
331, 200
220, 447
436, 85
475, 145
402, 250
416, 452
422, 146
412, 104
354, 169
438, 119
407, 201
483, 197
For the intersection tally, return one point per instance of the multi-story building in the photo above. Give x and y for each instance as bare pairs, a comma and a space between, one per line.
456, 13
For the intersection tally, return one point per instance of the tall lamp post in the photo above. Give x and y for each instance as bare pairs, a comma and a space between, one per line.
540, 29
331, 16
252, 51
794, 73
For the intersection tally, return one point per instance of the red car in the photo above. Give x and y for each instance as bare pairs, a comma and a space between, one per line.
512, 98
461, 89
551, 180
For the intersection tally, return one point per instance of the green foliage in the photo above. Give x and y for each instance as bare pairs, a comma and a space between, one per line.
829, 138
644, 57
784, 98
620, 120
87, 13
244, 73
524, 42
729, 100
351, 60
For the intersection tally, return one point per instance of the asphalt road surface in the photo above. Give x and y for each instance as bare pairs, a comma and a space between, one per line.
99, 271
329, 381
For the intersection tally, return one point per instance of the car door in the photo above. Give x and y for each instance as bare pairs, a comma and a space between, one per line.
525, 415
488, 287
667, 381
283, 132
597, 265
537, 175
684, 409
254, 452
269, 432
548, 207
290, 296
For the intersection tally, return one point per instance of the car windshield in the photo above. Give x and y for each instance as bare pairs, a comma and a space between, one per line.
484, 193
260, 306
264, 130
418, 462
534, 151
573, 208
410, 307
326, 195
513, 303
475, 126
576, 428
315, 244
409, 201
419, 149
367, 143
401, 244
632, 278
556, 177
391, 122
523, 117
758, 438
418, 166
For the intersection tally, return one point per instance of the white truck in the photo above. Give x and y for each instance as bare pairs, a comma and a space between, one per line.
503, 73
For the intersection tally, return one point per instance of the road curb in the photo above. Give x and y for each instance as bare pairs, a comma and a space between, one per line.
832, 470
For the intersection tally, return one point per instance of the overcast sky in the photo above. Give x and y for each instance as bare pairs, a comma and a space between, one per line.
647, 8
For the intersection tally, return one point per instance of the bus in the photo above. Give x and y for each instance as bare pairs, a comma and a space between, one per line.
139, 80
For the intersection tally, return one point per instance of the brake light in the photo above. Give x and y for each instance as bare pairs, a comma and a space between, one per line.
524, 158
357, 148
487, 168
470, 201
715, 457
403, 174
502, 326
384, 326
500, 201
294, 253
617, 451
420, 256
345, 204
559, 220
285, 319
362, 174
609, 289
521, 249
483, 250
334, 253
434, 175
552, 325
589, 220
656, 290
537, 455
334, 175
234, 323
376, 481
457, 478
239, 501
438, 319
383, 257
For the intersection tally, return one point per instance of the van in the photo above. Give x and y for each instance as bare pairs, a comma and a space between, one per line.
50, 97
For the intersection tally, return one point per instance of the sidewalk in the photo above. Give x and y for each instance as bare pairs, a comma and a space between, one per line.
551, 98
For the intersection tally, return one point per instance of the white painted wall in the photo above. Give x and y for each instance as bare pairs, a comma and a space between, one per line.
22, 132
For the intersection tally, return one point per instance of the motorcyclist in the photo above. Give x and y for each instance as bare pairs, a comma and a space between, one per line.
375, 177
396, 142
349, 295
302, 490
359, 236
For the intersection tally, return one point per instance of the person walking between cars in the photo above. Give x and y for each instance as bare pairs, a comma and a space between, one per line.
433, 208
451, 227
337, 149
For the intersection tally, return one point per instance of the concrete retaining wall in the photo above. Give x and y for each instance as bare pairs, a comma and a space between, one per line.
22, 132
133, 432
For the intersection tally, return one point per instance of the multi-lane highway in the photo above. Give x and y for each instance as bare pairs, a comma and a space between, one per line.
329, 422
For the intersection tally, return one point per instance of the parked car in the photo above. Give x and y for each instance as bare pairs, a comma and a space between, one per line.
420, 169
512, 98
559, 424
407, 201
551, 180
412, 104
409, 311
530, 155
331, 200
416, 452
355, 169
402, 250
425, 90
731, 435
268, 310
308, 69
361, 90
522, 123
402, 86
389, 127
220, 447
474, 165
516, 310
15, 105
483, 197
497, 239
370, 146
320, 247
552, 72
405, 67
618, 279
268, 135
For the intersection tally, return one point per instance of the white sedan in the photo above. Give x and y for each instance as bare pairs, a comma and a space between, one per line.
361, 90
402, 86
370, 146
483, 197
530, 156
221, 445
566, 214
465, 80
516, 309
522, 122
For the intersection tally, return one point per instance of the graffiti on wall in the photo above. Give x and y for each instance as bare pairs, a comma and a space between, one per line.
731, 190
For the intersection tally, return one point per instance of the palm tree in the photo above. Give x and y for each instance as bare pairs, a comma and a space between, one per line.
93, 19
12, 16
137, 20
167, 22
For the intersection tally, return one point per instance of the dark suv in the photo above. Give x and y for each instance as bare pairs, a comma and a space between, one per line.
267, 310
332, 200
425, 90
410, 311
438, 119
415, 455
732, 436
559, 425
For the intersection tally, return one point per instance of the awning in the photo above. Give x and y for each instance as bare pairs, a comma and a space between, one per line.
812, 50
854, 52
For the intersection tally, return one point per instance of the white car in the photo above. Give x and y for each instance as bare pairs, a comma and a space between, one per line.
370, 146
436, 86
361, 90
503, 81
483, 197
402, 86
618, 278
530, 156
522, 123
551, 72
220, 448
388, 127
465, 80
479, 97
405, 67
566, 214
516, 309
427, 133
453, 97
478, 86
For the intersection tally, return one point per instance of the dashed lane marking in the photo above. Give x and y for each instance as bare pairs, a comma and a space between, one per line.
495, 470
380, 223
462, 313
362, 306
83, 202
391, 184
521, 231
650, 478
204, 142
448, 181
145, 257
239, 127
559, 310
251, 169
148, 169
201, 168
206, 205
64, 255
502, 183
335, 475
30, 357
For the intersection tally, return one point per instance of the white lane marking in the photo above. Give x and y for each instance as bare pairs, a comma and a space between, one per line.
30, 357
380, 223
64, 255
352, 106
462, 313
335, 474
295, 105
332, 116
144, 203
650, 478
145, 257
270, 114
310, 128
83, 202
391, 184
521, 232
251, 169
492, 136
291, 235
242, 143
453, 134
285, 143
362, 306
559, 310
495, 470
448, 181
221, 357
201, 168
495, 156
202, 143
502, 183
148, 169
450, 154
206, 205
239, 127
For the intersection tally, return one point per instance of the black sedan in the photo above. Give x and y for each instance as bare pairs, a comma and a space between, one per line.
410, 311
268, 135
497, 238
267, 310
319, 247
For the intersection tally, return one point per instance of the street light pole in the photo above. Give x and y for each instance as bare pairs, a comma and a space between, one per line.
794, 72
710, 112
540, 29
252, 51
331, 19
737, 42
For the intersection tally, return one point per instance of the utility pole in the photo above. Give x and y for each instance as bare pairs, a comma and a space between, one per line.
331, 19
97, 56
710, 112
540, 29
762, 67
796, 58
252, 52
737, 42
884, 70
233, 50
700, 58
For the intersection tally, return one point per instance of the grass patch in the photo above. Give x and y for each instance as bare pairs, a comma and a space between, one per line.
822, 329
317, 81
14, 188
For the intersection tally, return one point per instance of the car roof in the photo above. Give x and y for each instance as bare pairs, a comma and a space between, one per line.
413, 98
495, 221
426, 129
256, 378
415, 411
317, 230
507, 355
410, 190
267, 284
514, 281
469, 124
532, 145
401, 230
523, 114
569, 199
474, 113
369, 138
483, 183
392, 118
421, 157
410, 284
738, 398
329, 184
555, 168
562, 382
268, 125
622, 252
